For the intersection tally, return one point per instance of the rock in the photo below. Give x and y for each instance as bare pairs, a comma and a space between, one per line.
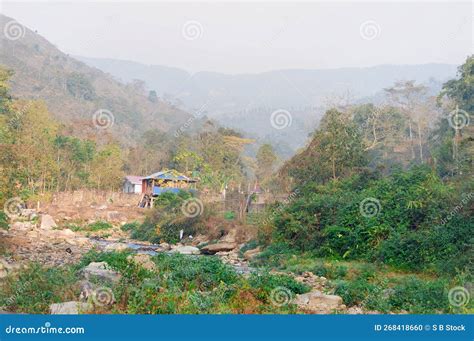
47, 222
30, 213
230, 237
165, 246
316, 302
249, 254
143, 260
312, 280
186, 250
66, 234
69, 308
87, 290
99, 270
219, 247
22, 226
118, 247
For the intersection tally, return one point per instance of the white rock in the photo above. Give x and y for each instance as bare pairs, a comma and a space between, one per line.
143, 260
99, 270
47, 222
187, 250
69, 308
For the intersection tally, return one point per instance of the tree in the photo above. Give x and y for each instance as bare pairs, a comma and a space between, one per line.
335, 150
411, 99
265, 161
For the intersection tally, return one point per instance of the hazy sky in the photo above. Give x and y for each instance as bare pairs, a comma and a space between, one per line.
244, 37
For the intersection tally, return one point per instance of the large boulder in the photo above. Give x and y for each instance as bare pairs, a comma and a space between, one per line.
249, 254
47, 222
186, 250
100, 270
219, 247
143, 260
69, 308
315, 302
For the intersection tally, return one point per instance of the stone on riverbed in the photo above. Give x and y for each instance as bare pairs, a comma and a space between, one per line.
186, 250
315, 302
143, 260
99, 270
47, 222
69, 308
249, 254
219, 247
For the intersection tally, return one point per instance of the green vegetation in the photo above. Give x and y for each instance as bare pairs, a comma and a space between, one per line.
167, 219
183, 284
99, 225
404, 229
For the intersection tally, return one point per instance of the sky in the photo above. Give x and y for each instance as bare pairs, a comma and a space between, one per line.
253, 37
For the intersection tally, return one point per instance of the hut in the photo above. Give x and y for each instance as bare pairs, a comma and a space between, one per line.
132, 184
165, 181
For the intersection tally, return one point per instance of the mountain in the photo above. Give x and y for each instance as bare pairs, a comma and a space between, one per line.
247, 101
74, 91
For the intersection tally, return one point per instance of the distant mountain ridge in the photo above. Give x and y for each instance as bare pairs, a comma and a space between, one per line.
285, 88
246, 102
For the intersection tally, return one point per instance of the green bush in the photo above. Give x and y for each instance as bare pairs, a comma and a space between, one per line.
266, 282
3, 221
99, 226
405, 229
130, 226
36, 287
420, 297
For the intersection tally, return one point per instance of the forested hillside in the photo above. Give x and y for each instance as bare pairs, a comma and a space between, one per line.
74, 91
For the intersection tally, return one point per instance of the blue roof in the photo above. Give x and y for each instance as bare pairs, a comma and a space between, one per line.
168, 175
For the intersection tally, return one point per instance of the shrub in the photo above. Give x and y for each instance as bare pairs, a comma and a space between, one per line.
166, 220
99, 225
3, 221
420, 297
130, 226
35, 288
266, 282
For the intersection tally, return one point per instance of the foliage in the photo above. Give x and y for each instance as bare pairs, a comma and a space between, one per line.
167, 219
130, 226
99, 225
35, 288
406, 230
3, 221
